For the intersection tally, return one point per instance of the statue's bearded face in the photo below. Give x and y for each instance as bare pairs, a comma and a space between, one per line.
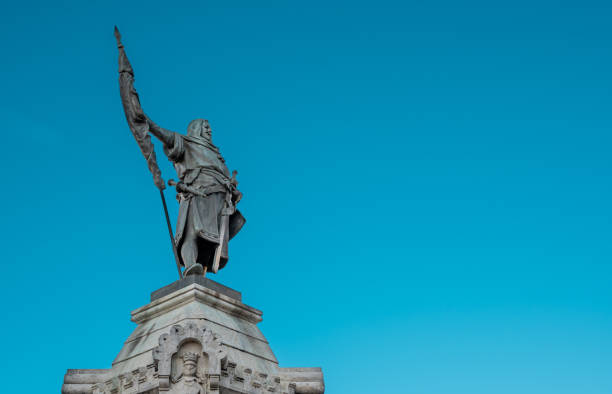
189, 368
199, 128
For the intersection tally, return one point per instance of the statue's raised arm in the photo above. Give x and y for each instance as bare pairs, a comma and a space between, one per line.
164, 135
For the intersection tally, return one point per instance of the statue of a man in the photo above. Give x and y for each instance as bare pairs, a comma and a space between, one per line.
207, 194
188, 382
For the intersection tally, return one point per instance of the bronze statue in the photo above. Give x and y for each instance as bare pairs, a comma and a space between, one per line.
207, 194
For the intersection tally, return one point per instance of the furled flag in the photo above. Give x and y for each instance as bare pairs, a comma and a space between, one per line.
134, 114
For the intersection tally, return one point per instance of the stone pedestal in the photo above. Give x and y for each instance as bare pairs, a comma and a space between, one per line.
194, 336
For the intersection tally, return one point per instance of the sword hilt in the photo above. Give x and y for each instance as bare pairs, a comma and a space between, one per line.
180, 186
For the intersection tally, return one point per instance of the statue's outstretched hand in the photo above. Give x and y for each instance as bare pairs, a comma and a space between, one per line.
165, 136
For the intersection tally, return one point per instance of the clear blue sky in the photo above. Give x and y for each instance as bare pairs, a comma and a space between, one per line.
427, 185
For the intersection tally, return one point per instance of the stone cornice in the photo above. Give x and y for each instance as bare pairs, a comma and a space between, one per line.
197, 293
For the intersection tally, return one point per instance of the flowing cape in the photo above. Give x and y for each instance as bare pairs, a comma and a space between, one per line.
134, 114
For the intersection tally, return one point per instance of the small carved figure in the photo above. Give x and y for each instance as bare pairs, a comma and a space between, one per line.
188, 382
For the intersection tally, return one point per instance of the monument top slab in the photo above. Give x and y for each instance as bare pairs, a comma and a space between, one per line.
194, 279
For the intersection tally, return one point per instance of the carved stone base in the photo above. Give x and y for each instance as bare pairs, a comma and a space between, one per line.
192, 339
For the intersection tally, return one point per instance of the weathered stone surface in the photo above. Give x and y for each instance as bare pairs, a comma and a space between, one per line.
196, 323
306, 380
202, 281
80, 381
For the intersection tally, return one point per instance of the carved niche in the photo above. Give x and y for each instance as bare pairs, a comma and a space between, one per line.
189, 360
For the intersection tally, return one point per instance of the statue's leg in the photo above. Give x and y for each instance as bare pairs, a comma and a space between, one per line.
189, 251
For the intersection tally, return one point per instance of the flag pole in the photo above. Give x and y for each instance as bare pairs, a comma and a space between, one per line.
176, 258
138, 126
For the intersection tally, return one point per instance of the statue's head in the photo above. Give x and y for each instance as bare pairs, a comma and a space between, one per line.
190, 363
199, 128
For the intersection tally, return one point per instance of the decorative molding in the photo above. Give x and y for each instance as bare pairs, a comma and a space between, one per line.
140, 380
244, 380
196, 292
220, 370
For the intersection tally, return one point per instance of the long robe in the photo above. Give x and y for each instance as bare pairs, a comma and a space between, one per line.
199, 165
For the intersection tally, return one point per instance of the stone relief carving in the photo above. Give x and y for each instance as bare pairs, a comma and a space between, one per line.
240, 379
189, 355
188, 381
191, 359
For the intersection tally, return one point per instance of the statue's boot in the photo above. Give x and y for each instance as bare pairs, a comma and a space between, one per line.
195, 269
